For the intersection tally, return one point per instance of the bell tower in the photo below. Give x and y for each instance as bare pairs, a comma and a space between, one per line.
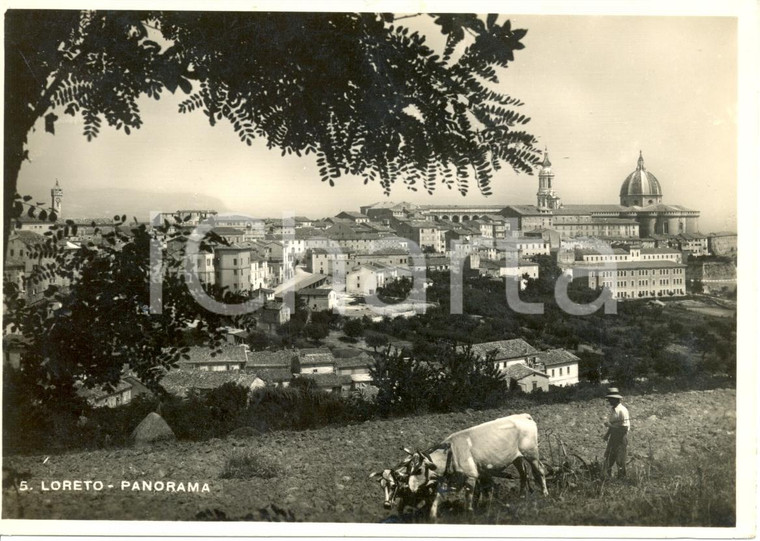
546, 198
56, 195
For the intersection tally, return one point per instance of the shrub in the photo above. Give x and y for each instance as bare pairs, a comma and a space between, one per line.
204, 415
258, 340
189, 418
249, 465
31, 425
113, 426
464, 380
316, 331
353, 328
404, 383
300, 406
375, 339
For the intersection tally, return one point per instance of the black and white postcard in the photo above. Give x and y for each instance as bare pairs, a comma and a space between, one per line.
382, 269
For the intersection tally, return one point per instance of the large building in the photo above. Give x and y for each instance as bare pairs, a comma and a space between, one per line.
641, 212
633, 273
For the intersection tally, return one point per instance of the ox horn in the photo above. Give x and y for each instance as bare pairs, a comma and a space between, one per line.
428, 460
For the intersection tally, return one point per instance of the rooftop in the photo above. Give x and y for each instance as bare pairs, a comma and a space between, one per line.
358, 361
660, 251
273, 375
519, 371
321, 292
201, 354
554, 357
505, 349
316, 357
179, 382
270, 359
630, 265
221, 231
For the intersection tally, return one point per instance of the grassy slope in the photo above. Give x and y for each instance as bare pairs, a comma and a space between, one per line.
682, 472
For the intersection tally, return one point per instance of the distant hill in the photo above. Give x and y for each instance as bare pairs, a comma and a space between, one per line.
107, 203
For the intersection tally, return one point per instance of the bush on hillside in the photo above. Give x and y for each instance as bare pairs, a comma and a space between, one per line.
250, 465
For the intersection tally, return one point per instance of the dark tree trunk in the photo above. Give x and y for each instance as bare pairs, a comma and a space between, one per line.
14, 155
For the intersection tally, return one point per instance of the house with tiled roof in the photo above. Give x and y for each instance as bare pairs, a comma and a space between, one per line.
512, 268
560, 365
272, 315
364, 280
319, 299
303, 221
207, 359
356, 217
507, 352
388, 256
182, 382
103, 396
26, 255
695, 243
258, 360
525, 378
437, 263
357, 368
316, 361
275, 377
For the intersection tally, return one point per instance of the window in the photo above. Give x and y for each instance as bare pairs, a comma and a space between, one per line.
535, 385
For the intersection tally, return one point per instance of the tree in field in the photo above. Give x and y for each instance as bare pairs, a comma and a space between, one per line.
101, 321
395, 291
375, 340
353, 328
258, 340
466, 380
404, 383
316, 331
362, 92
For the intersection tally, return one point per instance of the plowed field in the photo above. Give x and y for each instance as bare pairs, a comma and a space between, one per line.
322, 475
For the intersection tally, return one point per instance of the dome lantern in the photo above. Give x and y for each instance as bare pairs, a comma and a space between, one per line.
641, 188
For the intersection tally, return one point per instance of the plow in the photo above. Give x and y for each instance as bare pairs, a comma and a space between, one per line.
564, 466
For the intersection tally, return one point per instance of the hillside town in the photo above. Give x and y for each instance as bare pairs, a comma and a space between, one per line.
640, 248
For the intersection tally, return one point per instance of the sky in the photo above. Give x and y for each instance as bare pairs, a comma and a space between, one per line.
598, 89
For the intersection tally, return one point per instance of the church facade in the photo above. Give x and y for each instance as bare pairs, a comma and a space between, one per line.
640, 214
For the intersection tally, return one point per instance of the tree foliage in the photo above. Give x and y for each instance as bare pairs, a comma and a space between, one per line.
375, 340
353, 328
362, 92
395, 291
98, 319
451, 380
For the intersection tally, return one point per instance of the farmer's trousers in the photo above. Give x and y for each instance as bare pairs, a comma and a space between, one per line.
616, 452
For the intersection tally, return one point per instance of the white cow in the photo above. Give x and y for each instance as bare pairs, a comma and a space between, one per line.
480, 452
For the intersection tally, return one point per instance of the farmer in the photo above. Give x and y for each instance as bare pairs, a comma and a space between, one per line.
618, 424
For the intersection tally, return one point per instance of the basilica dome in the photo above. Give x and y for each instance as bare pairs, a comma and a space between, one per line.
641, 187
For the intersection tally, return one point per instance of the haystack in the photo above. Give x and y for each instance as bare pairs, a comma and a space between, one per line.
152, 429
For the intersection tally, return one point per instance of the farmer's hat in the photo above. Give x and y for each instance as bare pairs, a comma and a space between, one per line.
613, 392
